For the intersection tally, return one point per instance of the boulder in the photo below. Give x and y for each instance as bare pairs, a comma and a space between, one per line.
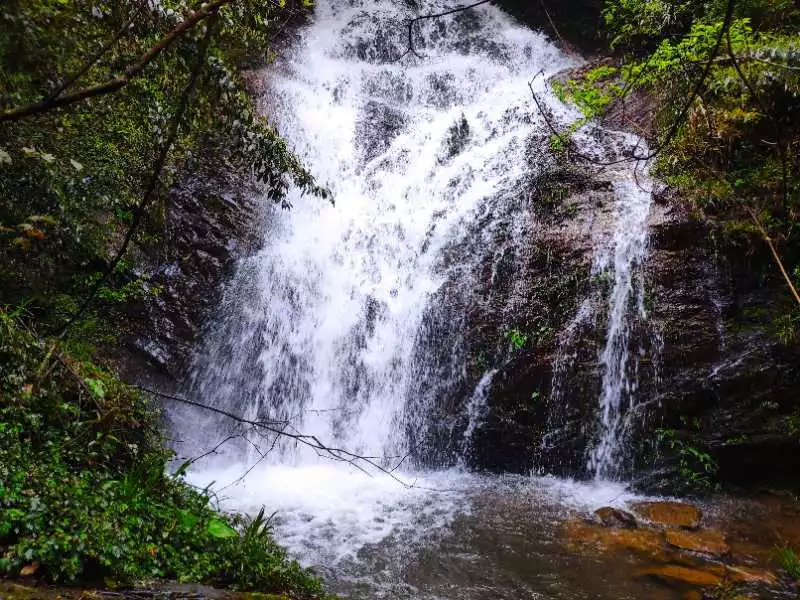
669, 514
645, 542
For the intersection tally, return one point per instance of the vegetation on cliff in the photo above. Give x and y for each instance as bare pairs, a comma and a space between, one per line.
102, 105
726, 132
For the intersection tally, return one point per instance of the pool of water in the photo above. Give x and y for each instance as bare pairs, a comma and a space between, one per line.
461, 536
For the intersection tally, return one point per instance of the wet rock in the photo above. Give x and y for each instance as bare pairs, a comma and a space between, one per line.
614, 517
706, 542
751, 575
644, 542
694, 576
210, 221
378, 125
669, 514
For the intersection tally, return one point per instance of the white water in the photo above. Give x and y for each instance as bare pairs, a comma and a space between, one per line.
477, 407
621, 260
320, 328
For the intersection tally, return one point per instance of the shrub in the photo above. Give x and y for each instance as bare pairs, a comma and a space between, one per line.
84, 491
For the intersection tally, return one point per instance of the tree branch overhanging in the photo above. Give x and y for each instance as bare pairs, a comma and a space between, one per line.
411, 22
113, 85
152, 183
281, 430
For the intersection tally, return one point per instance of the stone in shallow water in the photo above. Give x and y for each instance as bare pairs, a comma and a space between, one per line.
613, 517
707, 542
702, 577
739, 574
641, 541
669, 514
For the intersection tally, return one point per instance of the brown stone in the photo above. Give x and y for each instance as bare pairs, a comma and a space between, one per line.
707, 542
641, 541
739, 574
688, 575
613, 517
669, 514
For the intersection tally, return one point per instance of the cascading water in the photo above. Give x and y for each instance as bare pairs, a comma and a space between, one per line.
320, 327
319, 331
622, 261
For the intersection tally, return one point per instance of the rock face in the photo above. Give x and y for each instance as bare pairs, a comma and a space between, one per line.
716, 390
211, 219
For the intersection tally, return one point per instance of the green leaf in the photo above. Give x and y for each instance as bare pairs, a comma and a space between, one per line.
220, 529
189, 520
96, 386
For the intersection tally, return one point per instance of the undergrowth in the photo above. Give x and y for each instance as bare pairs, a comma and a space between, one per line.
789, 561
84, 494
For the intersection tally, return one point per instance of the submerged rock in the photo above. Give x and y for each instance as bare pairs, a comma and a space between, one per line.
694, 576
669, 514
645, 542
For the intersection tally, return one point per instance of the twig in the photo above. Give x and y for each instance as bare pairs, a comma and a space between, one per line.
775, 254
414, 21
312, 441
219, 411
70, 81
567, 47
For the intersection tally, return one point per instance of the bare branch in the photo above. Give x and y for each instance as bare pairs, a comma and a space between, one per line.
775, 254
280, 430
70, 81
410, 49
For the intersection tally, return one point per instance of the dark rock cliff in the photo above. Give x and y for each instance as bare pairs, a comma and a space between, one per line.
210, 220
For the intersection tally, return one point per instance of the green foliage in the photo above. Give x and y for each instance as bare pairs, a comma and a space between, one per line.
85, 495
517, 338
697, 468
787, 327
793, 424
593, 92
733, 149
789, 561
70, 179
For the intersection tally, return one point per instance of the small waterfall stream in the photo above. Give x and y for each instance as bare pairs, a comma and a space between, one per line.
622, 261
320, 329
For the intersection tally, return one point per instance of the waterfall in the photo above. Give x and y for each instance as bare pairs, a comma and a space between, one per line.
477, 407
321, 331
320, 327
